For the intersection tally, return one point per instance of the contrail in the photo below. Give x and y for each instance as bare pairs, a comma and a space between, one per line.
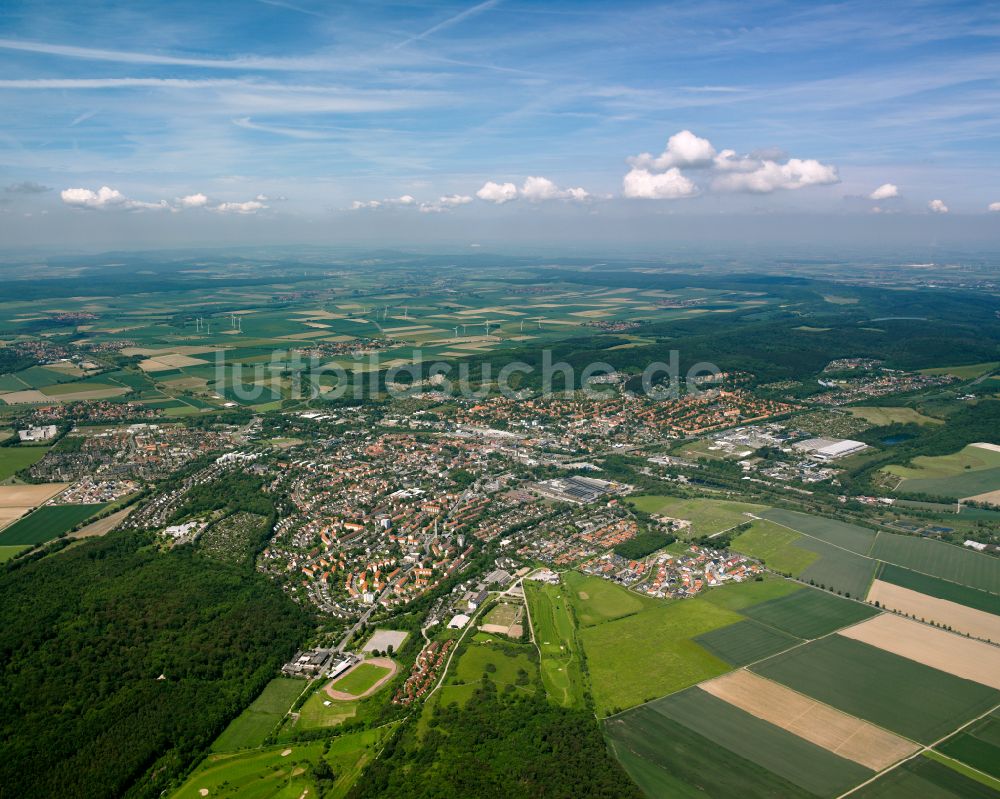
469, 12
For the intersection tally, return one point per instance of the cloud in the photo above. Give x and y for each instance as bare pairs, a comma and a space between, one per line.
684, 149
106, 198
537, 189
498, 193
993, 207
669, 185
357, 205
244, 208
27, 187
770, 176
406, 199
198, 200
886, 191
937, 207
453, 200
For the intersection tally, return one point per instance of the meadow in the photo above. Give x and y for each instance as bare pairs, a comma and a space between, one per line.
251, 728
772, 544
596, 600
882, 417
707, 516
14, 459
555, 636
46, 523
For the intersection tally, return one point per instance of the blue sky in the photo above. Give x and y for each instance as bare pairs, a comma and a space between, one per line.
457, 114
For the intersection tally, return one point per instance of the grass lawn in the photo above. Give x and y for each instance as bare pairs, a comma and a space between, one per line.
13, 459
360, 679
46, 523
284, 771
254, 724
641, 657
772, 544
557, 644
707, 516
737, 596
316, 714
596, 600
902, 695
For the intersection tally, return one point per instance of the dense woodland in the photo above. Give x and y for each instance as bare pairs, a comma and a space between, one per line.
84, 639
504, 746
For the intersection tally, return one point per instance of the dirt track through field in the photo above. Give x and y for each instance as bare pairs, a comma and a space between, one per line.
833, 730
959, 617
940, 649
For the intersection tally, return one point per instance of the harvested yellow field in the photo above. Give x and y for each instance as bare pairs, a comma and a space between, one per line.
31, 395
959, 617
940, 649
173, 360
29, 496
989, 498
102, 526
595, 314
11, 514
837, 732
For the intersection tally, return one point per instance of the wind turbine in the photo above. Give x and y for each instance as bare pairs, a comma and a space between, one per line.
522, 325
487, 328
456, 331
463, 330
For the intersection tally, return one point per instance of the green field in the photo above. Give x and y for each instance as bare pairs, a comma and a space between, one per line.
271, 774
745, 642
505, 664
810, 613
968, 372
942, 589
737, 596
847, 536
772, 544
46, 523
959, 486
314, 714
8, 552
652, 653
968, 458
949, 561
805, 764
552, 623
359, 679
596, 600
837, 569
977, 745
925, 778
882, 417
707, 516
899, 694
13, 459
253, 725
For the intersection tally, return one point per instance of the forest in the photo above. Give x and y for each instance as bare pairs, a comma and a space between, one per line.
499, 745
120, 664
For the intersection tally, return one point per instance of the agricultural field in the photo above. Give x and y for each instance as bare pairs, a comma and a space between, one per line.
936, 558
925, 777
978, 745
46, 523
802, 763
846, 536
555, 637
285, 771
14, 459
961, 618
707, 516
881, 417
970, 471
896, 693
940, 589
809, 613
837, 569
251, 728
772, 544
745, 642
968, 372
653, 653
8, 552
595, 600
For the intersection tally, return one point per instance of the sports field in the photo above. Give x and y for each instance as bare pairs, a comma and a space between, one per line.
46, 523
707, 516
949, 561
772, 544
360, 679
13, 459
557, 644
259, 720
652, 653
896, 693
596, 600
745, 642
284, 771
797, 760
809, 613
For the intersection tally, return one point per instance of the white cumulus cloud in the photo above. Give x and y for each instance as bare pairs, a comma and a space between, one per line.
937, 207
106, 198
669, 185
453, 200
537, 188
993, 207
769, 176
198, 200
684, 149
498, 193
886, 191
244, 208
